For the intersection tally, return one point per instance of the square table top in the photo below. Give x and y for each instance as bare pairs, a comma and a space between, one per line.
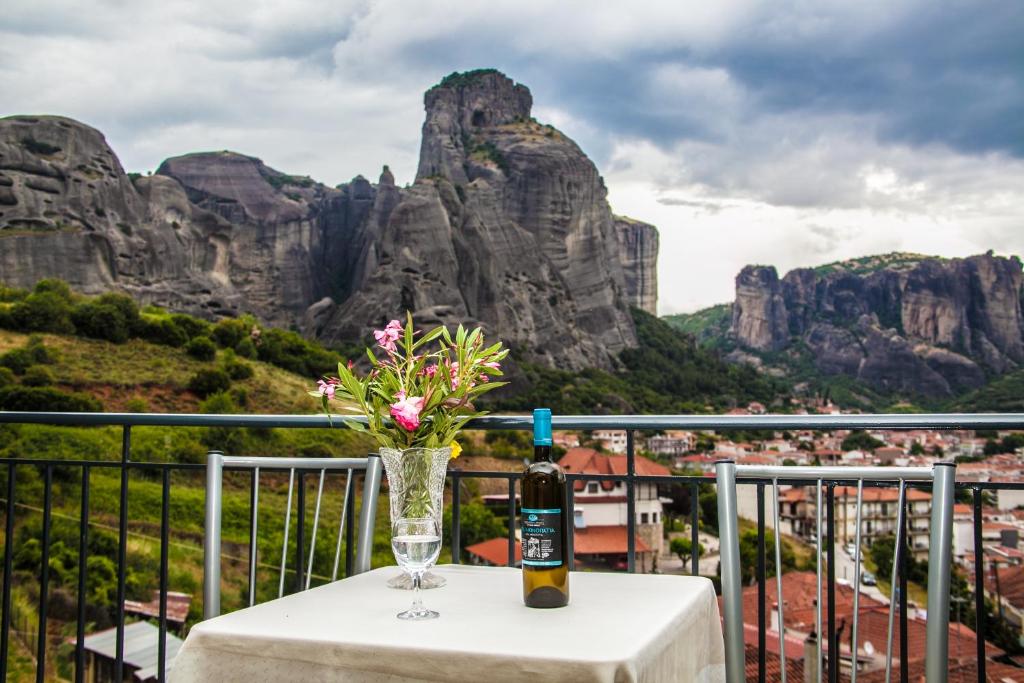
617, 627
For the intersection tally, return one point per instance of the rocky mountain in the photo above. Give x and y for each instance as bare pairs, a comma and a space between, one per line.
927, 326
507, 224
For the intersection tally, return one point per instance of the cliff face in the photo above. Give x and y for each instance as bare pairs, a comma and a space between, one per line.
934, 326
507, 225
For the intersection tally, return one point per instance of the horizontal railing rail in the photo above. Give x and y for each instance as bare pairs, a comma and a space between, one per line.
831, 476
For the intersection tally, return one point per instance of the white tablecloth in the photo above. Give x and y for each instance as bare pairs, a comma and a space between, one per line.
617, 628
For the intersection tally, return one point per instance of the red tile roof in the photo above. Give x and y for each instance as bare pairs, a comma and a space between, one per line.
589, 461
873, 495
177, 606
495, 551
604, 540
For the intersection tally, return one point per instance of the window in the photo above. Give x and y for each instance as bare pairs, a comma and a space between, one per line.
654, 518
592, 487
643, 518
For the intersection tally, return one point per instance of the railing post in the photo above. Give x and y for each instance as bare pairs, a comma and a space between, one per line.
371, 488
630, 503
211, 543
732, 586
939, 568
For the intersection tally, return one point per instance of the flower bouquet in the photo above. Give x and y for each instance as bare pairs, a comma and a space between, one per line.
418, 393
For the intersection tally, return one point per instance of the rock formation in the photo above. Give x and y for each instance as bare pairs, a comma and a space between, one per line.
507, 225
931, 326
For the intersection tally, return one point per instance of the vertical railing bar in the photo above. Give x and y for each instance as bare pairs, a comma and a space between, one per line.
456, 517
896, 556
762, 636
350, 545
341, 525
5, 620
819, 650
939, 573
778, 580
83, 556
570, 506
316, 521
732, 588
44, 574
694, 534
300, 529
830, 512
512, 522
856, 580
630, 503
287, 523
979, 586
254, 509
904, 646
165, 504
122, 548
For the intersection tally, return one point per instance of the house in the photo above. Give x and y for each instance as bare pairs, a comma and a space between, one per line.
672, 443
177, 608
601, 511
613, 440
141, 653
494, 553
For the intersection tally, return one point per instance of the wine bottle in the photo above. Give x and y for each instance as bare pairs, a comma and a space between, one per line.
543, 524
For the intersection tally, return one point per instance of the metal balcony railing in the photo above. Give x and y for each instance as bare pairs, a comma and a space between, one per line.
126, 466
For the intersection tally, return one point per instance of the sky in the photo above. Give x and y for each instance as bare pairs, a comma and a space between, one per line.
788, 133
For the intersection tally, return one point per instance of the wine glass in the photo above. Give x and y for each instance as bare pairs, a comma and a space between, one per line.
416, 542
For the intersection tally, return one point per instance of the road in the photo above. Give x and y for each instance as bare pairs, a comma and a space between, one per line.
844, 570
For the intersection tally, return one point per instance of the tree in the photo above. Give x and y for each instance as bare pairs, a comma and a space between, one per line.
683, 547
476, 523
917, 449
748, 555
859, 440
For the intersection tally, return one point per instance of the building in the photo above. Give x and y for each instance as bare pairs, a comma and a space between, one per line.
798, 514
612, 440
672, 443
141, 652
601, 512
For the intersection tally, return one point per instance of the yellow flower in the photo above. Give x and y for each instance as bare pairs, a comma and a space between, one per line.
456, 449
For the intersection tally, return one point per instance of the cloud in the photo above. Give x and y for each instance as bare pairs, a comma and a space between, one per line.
769, 131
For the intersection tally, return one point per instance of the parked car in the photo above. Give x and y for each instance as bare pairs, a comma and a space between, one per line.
868, 579
850, 549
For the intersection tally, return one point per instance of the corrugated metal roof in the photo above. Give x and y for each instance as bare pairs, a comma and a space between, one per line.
141, 640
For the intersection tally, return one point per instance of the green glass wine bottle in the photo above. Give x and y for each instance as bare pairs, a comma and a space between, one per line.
543, 523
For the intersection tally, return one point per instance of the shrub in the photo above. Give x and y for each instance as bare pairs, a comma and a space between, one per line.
12, 293
47, 399
207, 382
246, 349
290, 351
230, 332
201, 348
41, 355
6, 377
235, 368
100, 321
136, 405
6, 318
124, 303
193, 327
162, 331
38, 376
54, 286
17, 360
43, 311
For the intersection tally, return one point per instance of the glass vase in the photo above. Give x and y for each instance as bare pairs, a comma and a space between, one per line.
416, 489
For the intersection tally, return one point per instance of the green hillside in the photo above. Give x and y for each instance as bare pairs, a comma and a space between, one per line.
708, 326
1002, 395
896, 260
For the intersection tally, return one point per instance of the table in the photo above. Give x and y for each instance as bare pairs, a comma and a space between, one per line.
618, 628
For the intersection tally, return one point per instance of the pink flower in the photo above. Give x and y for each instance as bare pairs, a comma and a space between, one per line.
406, 411
351, 365
493, 364
326, 389
388, 336
429, 371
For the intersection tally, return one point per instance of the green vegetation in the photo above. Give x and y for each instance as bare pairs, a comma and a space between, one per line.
459, 79
861, 441
488, 152
869, 264
708, 326
666, 373
1002, 395
683, 547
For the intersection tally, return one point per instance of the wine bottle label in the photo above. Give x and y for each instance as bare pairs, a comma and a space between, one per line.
542, 539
